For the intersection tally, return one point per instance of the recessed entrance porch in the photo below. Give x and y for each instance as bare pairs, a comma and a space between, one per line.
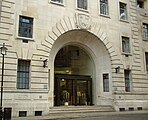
80, 53
73, 82
73, 90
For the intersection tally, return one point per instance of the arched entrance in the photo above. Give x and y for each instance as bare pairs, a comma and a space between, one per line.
73, 77
97, 65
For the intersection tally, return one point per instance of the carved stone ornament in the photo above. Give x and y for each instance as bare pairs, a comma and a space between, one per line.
83, 21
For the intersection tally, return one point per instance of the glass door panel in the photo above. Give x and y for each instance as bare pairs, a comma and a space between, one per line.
66, 92
70, 91
81, 92
89, 93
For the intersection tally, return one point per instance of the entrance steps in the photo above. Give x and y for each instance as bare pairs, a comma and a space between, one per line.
80, 109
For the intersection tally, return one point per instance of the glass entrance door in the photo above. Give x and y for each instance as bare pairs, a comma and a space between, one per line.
83, 92
73, 90
66, 92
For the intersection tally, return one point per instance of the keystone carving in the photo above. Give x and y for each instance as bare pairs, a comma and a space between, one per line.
83, 21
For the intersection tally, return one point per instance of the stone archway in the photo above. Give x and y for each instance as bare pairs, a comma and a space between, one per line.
66, 25
74, 70
94, 48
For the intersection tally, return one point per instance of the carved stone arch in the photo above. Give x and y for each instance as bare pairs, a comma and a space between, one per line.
67, 24
70, 24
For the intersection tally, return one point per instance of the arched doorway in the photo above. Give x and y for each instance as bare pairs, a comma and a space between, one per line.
73, 77
99, 65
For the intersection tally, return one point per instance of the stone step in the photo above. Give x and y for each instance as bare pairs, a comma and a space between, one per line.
80, 109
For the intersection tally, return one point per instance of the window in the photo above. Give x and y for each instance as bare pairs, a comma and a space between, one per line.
146, 59
145, 31
105, 83
104, 7
125, 45
38, 113
82, 4
58, 1
123, 11
127, 80
25, 27
23, 74
140, 3
22, 113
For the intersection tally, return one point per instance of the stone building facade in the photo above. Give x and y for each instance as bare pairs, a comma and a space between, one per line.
93, 51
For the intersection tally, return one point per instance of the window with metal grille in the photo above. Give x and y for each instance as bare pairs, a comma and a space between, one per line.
104, 7
145, 31
125, 45
123, 11
127, 80
38, 113
23, 71
25, 27
105, 83
82, 4
58, 1
146, 60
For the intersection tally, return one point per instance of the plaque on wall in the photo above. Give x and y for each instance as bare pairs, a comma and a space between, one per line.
83, 21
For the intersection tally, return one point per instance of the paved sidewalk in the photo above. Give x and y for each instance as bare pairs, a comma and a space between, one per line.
75, 115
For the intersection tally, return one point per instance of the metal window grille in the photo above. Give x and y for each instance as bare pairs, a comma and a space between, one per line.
104, 7
82, 4
123, 11
125, 45
105, 83
25, 27
23, 74
38, 113
145, 31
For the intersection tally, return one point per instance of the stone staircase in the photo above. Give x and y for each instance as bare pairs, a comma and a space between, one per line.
80, 109
70, 112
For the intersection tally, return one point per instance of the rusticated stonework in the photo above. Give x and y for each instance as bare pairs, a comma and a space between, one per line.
58, 25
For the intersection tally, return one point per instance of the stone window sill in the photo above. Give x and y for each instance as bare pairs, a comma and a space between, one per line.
83, 10
103, 15
57, 3
126, 54
122, 20
24, 38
